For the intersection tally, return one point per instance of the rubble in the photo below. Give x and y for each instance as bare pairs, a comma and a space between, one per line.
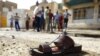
10, 47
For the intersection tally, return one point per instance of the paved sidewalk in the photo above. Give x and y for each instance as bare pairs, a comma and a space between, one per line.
94, 33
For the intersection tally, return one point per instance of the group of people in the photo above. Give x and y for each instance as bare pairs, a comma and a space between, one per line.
15, 19
45, 20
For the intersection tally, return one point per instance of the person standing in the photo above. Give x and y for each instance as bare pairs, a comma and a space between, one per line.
56, 19
33, 23
27, 22
42, 19
11, 22
47, 18
38, 21
17, 26
66, 15
60, 25
50, 27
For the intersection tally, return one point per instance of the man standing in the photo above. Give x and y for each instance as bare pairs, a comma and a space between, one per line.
42, 19
50, 21
27, 22
61, 19
17, 26
56, 19
47, 18
66, 15
38, 21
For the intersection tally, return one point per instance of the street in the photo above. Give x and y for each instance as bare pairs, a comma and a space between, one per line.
22, 41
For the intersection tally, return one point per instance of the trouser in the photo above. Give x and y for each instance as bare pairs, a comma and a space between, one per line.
49, 25
65, 22
27, 25
34, 24
38, 28
38, 24
43, 25
11, 24
17, 27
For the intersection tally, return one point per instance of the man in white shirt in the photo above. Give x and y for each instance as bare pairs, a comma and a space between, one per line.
66, 15
47, 18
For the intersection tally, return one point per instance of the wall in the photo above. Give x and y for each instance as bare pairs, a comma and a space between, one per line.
5, 7
1, 4
92, 22
9, 5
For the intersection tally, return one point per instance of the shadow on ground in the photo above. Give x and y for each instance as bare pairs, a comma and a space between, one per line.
83, 53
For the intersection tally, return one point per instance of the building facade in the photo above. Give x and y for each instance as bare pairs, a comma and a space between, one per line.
53, 6
5, 7
85, 13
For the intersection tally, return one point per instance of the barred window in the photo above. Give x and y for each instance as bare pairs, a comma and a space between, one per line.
83, 13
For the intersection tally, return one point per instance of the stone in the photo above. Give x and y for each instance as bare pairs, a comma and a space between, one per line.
3, 44
8, 45
12, 52
14, 43
7, 49
13, 37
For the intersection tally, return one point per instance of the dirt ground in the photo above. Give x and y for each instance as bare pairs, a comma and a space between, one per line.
14, 43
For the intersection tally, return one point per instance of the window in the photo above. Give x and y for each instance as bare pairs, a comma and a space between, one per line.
99, 12
79, 13
60, 6
89, 13
75, 14
83, 13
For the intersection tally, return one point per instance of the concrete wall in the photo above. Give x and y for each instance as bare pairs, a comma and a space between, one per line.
1, 4
8, 5
5, 7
